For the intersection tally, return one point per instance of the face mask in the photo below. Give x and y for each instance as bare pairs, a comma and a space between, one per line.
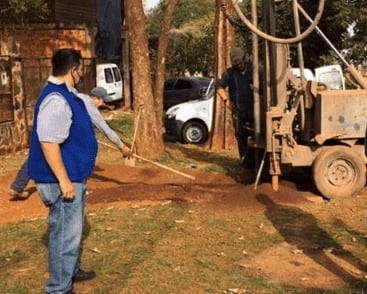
79, 84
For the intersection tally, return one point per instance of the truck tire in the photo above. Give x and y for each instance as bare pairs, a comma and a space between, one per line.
194, 132
339, 172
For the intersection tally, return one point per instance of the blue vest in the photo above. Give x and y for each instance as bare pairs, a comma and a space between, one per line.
79, 150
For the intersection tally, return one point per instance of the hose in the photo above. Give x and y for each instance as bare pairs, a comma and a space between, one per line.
271, 38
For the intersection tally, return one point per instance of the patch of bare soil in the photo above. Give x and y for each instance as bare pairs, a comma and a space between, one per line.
298, 261
320, 268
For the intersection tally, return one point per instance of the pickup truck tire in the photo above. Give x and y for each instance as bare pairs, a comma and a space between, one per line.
194, 132
339, 172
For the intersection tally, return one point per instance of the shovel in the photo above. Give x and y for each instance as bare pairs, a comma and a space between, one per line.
130, 161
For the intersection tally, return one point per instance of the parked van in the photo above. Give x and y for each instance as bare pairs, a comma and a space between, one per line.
108, 76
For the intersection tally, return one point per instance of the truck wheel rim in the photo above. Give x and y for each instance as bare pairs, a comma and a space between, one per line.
194, 134
341, 173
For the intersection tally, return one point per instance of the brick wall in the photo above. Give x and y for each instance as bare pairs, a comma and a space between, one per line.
13, 126
43, 41
19, 46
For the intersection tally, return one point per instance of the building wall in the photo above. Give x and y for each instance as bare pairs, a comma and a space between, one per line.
18, 49
43, 40
25, 53
13, 126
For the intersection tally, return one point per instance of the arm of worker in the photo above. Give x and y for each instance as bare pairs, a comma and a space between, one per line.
53, 125
100, 123
222, 94
221, 84
53, 157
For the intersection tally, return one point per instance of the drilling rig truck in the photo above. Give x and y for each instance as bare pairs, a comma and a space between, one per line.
302, 123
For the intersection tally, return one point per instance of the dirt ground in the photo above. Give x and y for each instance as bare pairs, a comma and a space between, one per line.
310, 266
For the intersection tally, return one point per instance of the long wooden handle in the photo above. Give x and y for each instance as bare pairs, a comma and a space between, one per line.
164, 166
152, 162
137, 120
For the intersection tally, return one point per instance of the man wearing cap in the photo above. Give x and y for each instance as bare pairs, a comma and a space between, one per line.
97, 98
238, 79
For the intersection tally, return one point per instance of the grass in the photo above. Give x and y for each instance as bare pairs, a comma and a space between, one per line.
166, 249
176, 155
174, 247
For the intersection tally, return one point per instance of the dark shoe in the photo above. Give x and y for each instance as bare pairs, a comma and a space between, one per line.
18, 195
84, 276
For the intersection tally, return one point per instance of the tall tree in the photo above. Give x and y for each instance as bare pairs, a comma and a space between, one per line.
222, 135
149, 141
161, 60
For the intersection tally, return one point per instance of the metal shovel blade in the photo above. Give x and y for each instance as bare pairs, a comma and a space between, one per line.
129, 161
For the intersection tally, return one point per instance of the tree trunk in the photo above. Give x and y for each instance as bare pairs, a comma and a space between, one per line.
223, 133
149, 140
161, 59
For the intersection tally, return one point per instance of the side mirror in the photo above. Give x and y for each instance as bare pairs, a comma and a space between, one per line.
202, 91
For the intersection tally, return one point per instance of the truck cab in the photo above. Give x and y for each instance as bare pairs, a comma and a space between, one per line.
329, 75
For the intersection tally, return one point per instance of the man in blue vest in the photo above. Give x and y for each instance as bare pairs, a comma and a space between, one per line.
239, 81
96, 99
62, 155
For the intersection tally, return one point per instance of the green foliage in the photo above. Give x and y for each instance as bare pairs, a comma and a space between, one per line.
195, 37
333, 24
338, 17
356, 42
192, 35
21, 12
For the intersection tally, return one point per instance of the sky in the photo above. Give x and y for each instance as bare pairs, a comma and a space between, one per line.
151, 3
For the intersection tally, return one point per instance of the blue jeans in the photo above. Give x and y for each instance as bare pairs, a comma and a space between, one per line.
66, 220
21, 179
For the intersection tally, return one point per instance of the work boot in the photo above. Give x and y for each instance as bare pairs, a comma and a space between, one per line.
83, 276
